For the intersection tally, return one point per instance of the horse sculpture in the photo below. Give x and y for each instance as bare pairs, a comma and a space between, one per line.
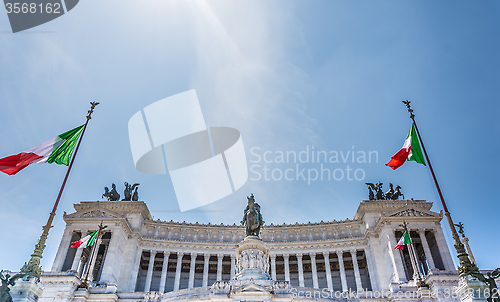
111, 195
252, 218
128, 191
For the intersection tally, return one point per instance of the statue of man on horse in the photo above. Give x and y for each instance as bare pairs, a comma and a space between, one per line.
252, 218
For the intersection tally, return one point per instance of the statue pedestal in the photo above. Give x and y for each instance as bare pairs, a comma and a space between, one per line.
252, 259
25, 291
470, 289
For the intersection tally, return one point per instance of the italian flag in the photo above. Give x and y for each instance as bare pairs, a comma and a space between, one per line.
410, 151
404, 240
88, 240
57, 150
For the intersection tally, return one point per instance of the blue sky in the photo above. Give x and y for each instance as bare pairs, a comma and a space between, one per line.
289, 75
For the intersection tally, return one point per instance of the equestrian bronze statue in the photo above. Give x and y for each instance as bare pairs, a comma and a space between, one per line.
252, 218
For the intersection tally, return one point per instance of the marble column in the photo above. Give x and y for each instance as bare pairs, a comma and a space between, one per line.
135, 270
301, 269
177, 281
149, 276
95, 251
326, 256
62, 251
233, 265
342, 271
191, 270
273, 266
78, 255
395, 255
287, 267
314, 270
372, 269
357, 276
164, 270
444, 251
219, 266
427, 250
205, 269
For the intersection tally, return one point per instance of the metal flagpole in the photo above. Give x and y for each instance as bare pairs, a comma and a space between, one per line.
32, 268
93, 254
413, 258
466, 267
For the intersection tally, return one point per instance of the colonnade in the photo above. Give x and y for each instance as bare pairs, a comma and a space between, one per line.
151, 261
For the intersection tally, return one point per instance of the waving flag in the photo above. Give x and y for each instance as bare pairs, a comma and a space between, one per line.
88, 240
410, 151
405, 239
57, 150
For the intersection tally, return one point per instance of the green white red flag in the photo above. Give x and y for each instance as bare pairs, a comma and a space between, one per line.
410, 151
57, 150
88, 240
404, 240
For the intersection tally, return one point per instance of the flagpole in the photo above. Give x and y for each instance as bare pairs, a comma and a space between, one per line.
413, 258
92, 254
32, 268
466, 267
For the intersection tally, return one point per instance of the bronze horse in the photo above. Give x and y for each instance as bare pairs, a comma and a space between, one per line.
252, 218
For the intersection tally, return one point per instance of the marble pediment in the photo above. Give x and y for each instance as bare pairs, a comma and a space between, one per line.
94, 213
251, 287
412, 212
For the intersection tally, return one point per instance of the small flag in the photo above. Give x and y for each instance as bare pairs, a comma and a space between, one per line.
410, 151
404, 240
57, 150
88, 240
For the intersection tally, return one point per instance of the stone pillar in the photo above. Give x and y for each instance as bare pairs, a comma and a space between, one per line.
164, 270
111, 258
427, 250
219, 266
465, 241
233, 265
395, 255
177, 281
62, 251
314, 270
78, 256
273, 266
372, 269
359, 285
135, 271
342, 271
191, 270
326, 256
149, 276
301, 269
287, 267
444, 250
205, 270
95, 251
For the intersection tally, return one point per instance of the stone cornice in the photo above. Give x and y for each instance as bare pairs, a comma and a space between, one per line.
385, 206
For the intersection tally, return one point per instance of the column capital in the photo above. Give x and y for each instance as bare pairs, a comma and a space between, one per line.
421, 232
166, 253
299, 255
220, 256
353, 252
286, 256
180, 254
312, 255
193, 255
326, 254
206, 256
339, 253
153, 252
233, 256
272, 256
